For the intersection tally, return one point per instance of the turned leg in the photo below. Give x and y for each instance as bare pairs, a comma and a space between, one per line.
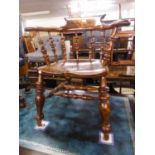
104, 108
39, 99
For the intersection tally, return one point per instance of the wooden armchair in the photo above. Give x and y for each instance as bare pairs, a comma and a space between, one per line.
73, 67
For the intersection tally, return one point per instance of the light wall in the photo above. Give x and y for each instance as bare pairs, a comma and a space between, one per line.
49, 21
127, 11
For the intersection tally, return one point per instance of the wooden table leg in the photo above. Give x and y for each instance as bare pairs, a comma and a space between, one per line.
39, 99
104, 108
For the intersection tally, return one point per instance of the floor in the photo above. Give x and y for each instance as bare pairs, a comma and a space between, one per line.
25, 151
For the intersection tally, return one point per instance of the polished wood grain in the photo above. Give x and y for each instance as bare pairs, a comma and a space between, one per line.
91, 45
75, 96
73, 68
39, 99
43, 50
30, 47
123, 43
104, 108
76, 45
63, 46
77, 68
53, 47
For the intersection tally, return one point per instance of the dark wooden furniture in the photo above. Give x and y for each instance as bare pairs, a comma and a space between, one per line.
123, 48
122, 77
122, 58
28, 42
76, 68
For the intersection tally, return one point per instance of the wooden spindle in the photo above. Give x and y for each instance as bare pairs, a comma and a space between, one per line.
76, 46
91, 45
43, 50
51, 42
110, 45
77, 87
63, 46
102, 45
71, 52
101, 53
75, 96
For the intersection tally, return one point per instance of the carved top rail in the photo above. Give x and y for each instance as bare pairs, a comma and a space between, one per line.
43, 29
117, 23
105, 47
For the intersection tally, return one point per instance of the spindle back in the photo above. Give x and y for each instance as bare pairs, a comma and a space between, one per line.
95, 38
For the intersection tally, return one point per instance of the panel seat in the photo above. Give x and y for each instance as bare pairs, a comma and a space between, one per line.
76, 67
82, 68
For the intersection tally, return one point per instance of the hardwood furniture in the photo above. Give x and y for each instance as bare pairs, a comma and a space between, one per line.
76, 68
28, 41
123, 48
35, 57
120, 76
122, 58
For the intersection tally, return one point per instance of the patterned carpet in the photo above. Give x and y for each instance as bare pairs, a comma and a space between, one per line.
74, 127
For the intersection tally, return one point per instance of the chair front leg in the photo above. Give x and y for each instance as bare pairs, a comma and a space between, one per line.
104, 108
39, 99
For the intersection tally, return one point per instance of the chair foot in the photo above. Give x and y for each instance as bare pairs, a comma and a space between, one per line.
104, 140
43, 126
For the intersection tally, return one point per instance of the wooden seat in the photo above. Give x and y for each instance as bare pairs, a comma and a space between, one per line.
73, 67
82, 69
